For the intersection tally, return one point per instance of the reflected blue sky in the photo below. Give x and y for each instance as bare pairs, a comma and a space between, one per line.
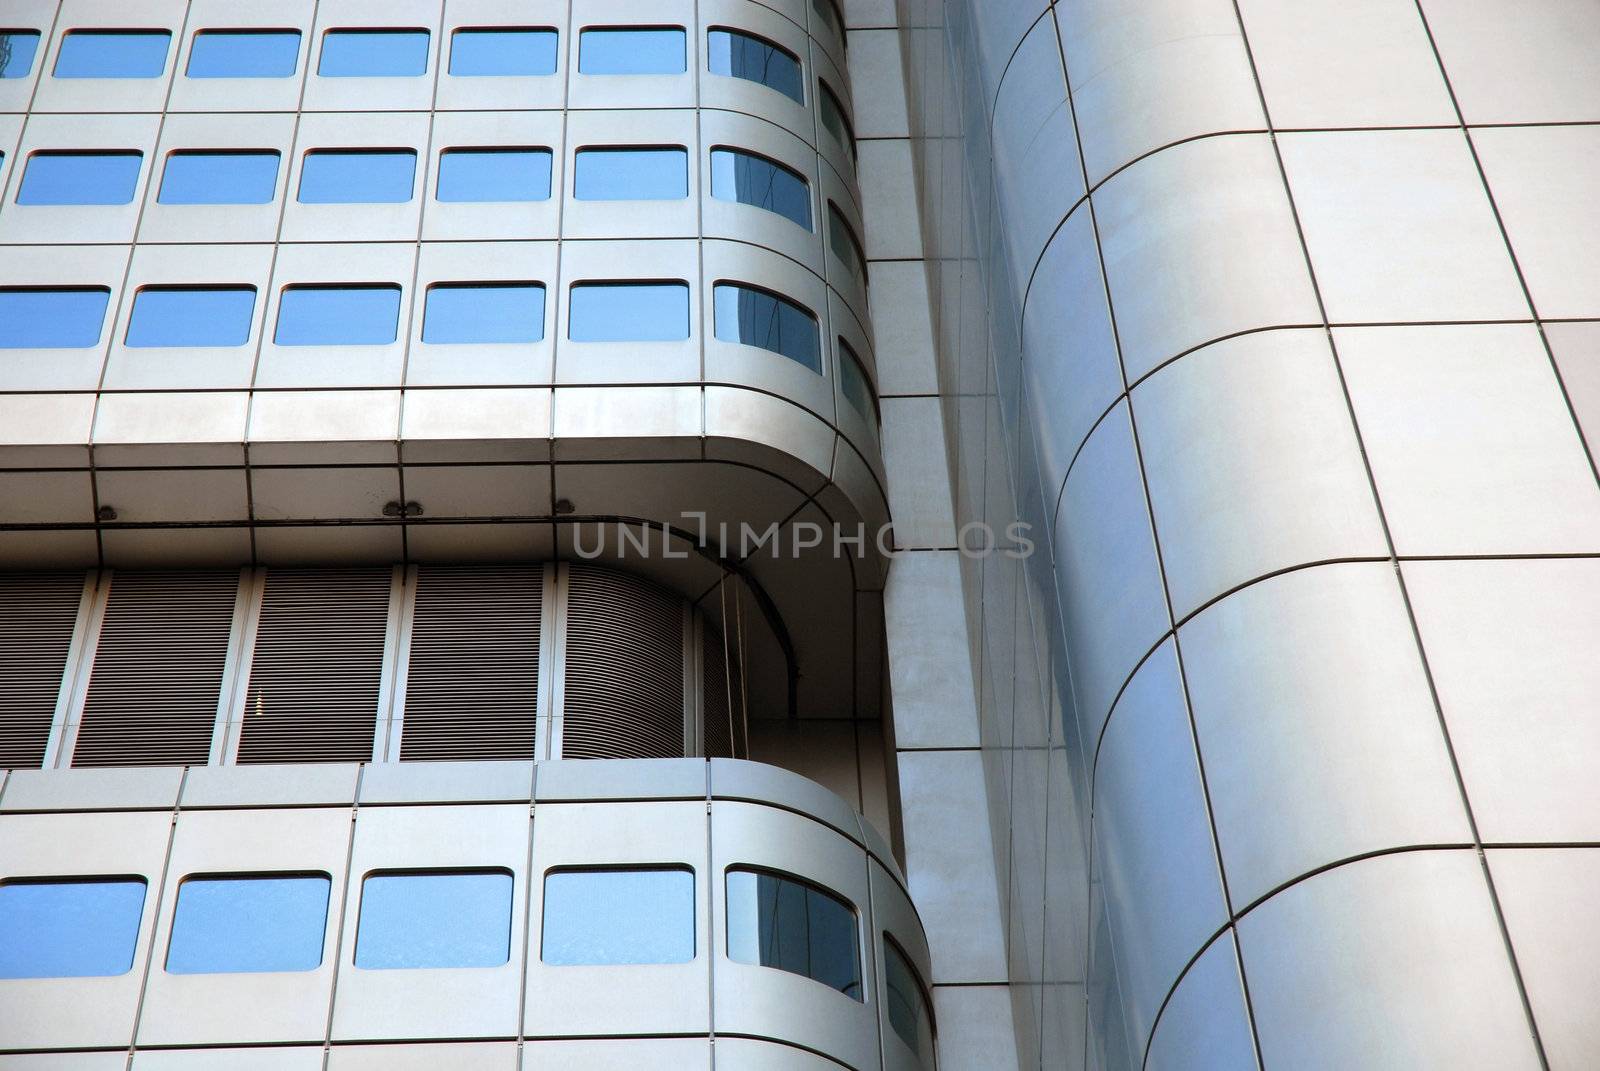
753, 180
219, 178
756, 318
235, 925
357, 176
480, 312
113, 54
17, 49
434, 920
791, 926
338, 315
628, 312
244, 54
618, 917
494, 175
503, 52
373, 53
636, 50
65, 318
80, 178
69, 929
742, 55
190, 316
631, 174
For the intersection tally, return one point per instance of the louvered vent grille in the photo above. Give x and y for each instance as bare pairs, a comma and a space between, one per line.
37, 614
473, 680
317, 666
624, 675
723, 727
157, 672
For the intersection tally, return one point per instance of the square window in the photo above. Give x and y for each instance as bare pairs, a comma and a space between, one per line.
631, 174
483, 312
633, 50
52, 318
362, 315
191, 316
17, 49
793, 925
494, 175
357, 176
629, 312
618, 916
441, 919
69, 927
220, 178
80, 178
226, 924
113, 54
244, 54
374, 54
502, 52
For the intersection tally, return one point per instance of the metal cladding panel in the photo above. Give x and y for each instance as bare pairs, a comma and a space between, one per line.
158, 669
37, 615
473, 682
317, 667
724, 730
624, 669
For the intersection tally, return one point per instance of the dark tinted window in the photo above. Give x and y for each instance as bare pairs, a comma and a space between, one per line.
80, 178
373, 54
244, 54
358, 176
781, 922
113, 54
225, 925
502, 52
854, 384
743, 55
442, 919
842, 240
754, 180
69, 927
618, 916
367, 315
17, 49
907, 1004
834, 121
628, 312
484, 312
631, 174
756, 318
52, 318
494, 175
219, 178
828, 16
191, 316
633, 50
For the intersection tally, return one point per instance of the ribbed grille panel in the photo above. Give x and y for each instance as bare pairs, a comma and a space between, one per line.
317, 666
624, 676
157, 670
37, 613
473, 681
723, 738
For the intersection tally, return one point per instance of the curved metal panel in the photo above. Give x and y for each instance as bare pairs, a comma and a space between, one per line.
1204, 1025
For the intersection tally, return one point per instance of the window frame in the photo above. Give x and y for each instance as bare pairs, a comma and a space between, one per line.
251, 875
166, 162
619, 868
857, 920
90, 288
33, 154
601, 150
456, 31
359, 150
243, 31
88, 879
805, 183
826, 93
249, 325
487, 284
277, 321
113, 31
432, 872
385, 31
486, 150
33, 60
682, 30
682, 284
924, 991
736, 31
783, 299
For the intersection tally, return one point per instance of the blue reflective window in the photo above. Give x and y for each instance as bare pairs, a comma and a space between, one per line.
610, 917
113, 54
756, 318
629, 312
631, 174
845, 245
339, 315
69, 927
373, 54
744, 55
633, 50
831, 108
357, 176
52, 318
442, 919
244, 54
219, 178
483, 312
754, 180
17, 49
854, 384
503, 51
80, 178
494, 175
191, 316
225, 925
781, 922
907, 1004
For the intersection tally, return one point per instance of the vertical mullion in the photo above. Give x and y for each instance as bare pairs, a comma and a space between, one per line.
230, 668
553, 659
236, 690
693, 684
73, 714
80, 656
396, 648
